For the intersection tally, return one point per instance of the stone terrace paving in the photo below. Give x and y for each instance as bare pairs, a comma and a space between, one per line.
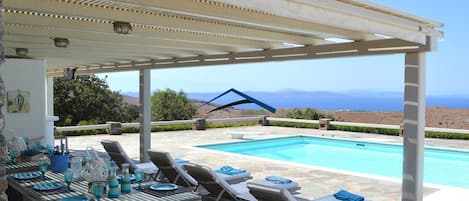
315, 182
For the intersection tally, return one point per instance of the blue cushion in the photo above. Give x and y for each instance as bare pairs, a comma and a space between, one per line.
278, 180
180, 161
230, 170
347, 196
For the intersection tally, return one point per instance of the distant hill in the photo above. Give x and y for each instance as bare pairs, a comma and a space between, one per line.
435, 117
444, 117
131, 100
202, 111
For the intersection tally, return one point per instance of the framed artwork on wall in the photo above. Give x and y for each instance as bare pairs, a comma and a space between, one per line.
18, 101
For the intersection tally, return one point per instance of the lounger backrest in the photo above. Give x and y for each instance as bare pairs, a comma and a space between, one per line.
266, 193
168, 167
117, 154
211, 182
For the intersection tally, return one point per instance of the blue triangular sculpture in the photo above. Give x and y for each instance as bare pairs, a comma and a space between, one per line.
248, 99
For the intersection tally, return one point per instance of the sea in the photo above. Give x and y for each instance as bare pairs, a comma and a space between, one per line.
324, 100
350, 101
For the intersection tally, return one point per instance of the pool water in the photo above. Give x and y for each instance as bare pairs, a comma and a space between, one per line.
444, 167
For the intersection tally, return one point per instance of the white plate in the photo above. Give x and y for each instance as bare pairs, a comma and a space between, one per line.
163, 187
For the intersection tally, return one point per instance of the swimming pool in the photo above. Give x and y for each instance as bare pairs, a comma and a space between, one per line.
444, 167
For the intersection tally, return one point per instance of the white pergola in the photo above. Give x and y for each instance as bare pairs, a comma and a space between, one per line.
190, 33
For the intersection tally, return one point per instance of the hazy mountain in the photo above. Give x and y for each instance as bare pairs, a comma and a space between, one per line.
355, 100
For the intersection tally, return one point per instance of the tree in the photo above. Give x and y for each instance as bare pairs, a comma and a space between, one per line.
88, 99
170, 105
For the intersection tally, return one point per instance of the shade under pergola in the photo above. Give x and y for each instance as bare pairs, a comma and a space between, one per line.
189, 33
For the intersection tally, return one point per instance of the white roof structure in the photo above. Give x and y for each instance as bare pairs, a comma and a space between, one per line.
188, 33
178, 33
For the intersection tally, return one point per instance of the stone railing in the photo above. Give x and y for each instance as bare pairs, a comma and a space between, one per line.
197, 124
326, 124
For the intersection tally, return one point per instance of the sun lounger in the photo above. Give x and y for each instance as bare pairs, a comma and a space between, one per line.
218, 188
170, 169
268, 193
117, 154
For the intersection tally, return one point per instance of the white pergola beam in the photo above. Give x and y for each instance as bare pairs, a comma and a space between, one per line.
414, 126
362, 48
50, 95
145, 114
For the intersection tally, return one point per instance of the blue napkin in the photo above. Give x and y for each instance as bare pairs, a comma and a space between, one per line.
347, 196
278, 180
230, 170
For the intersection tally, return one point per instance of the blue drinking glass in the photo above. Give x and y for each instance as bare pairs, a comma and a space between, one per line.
98, 189
12, 155
68, 177
50, 149
43, 168
139, 175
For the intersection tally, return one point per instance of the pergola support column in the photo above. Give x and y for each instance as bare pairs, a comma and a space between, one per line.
145, 115
50, 95
414, 126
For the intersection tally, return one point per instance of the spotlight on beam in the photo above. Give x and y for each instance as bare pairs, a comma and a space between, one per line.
21, 52
61, 42
69, 74
122, 27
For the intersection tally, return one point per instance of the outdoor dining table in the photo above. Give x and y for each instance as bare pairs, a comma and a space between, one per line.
11, 168
80, 187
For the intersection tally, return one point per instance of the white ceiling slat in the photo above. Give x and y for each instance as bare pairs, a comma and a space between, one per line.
159, 19
312, 13
30, 42
31, 34
109, 50
100, 28
245, 17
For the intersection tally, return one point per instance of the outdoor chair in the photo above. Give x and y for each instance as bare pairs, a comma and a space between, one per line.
218, 189
117, 154
268, 193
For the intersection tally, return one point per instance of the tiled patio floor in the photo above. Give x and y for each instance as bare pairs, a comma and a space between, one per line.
315, 182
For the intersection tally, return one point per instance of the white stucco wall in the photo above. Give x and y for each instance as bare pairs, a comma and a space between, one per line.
26, 75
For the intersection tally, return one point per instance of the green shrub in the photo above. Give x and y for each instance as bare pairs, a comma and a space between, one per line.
176, 127
371, 130
232, 125
383, 131
443, 135
294, 124
82, 132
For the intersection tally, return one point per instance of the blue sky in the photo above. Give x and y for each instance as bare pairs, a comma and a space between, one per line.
447, 69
